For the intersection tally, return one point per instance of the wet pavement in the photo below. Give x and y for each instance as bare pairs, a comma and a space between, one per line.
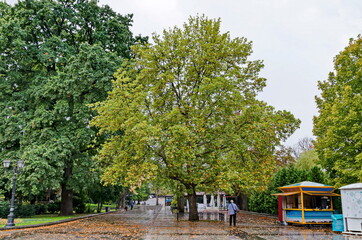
157, 222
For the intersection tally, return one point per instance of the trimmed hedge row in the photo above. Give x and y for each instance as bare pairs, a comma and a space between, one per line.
29, 210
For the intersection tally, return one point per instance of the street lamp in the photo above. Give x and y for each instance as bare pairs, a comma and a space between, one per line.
18, 167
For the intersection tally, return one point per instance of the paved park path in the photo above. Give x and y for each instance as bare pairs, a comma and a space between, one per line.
157, 222
143, 222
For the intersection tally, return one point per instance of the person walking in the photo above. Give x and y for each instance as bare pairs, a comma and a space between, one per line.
232, 208
131, 203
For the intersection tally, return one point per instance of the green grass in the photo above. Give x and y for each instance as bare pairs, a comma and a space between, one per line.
94, 206
38, 219
47, 218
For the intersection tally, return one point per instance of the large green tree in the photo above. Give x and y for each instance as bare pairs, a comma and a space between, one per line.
56, 56
184, 106
338, 126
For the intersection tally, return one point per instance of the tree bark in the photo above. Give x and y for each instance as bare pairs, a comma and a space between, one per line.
66, 205
193, 214
157, 203
242, 201
181, 204
122, 199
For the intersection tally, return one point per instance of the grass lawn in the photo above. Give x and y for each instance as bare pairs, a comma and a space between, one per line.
46, 218
38, 219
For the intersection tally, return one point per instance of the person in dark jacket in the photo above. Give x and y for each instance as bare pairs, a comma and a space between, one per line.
131, 203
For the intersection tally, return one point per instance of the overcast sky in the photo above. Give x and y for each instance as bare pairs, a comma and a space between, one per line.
297, 39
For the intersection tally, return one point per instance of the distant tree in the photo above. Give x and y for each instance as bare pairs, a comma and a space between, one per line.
303, 145
56, 56
188, 108
307, 160
284, 156
338, 126
142, 193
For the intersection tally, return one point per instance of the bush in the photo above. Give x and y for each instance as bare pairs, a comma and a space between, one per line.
4, 209
79, 205
20, 210
41, 208
54, 207
90, 209
263, 202
80, 208
24, 211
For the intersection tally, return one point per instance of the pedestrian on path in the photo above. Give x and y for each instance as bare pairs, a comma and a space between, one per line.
232, 208
131, 203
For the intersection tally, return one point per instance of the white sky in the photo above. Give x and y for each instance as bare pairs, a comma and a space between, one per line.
297, 39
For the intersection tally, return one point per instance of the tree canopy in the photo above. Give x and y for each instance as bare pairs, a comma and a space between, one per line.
187, 107
338, 126
56, 56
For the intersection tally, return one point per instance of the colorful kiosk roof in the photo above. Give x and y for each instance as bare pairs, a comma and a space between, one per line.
309, 187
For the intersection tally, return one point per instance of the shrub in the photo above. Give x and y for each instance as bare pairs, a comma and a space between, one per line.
54, 207
90, 209
79, 205
4, 209
263, 202
41, 209
24, 210
80, 208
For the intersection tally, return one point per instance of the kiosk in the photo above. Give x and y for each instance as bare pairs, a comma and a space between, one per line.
306, 203
352, 208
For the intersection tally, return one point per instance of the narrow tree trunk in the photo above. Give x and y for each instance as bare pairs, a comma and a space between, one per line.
193, 214
99, 207
157, 197
66, 205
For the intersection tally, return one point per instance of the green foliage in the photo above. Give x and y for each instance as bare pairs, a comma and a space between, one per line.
188, 111
142, 193
184, 104
339, 125
56, 57
263, 201
20, 210
4, 209
40, 208
79, 203
79, 206
25, 211
307, 160
54, 207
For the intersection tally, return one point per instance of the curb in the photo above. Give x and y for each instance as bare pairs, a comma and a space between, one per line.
55, 222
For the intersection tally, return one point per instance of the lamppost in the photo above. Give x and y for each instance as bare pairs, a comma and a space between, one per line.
11, 216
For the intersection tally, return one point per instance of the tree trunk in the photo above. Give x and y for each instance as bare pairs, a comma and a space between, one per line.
157, 197
181, 204
99, 207
66, 205
193, 214
243, 201
122, 199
